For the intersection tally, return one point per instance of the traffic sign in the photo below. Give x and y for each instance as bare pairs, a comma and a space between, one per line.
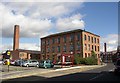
8, 53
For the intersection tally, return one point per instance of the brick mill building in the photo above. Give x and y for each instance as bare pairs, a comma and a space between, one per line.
17, 53
76, 42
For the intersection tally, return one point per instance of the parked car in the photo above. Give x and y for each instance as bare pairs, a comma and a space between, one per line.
117, 67
12, 62
46, 64
28, 63
1, 62
18, 62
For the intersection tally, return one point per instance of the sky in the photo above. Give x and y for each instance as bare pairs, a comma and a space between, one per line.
39, 19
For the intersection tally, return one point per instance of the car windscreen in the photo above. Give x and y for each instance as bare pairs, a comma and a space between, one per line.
41, 61
34, 61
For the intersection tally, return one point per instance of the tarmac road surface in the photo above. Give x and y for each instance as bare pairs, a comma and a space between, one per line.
98, 74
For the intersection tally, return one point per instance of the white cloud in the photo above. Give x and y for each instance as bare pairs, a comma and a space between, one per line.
43, 10
70, 23
43, 0
29, 27
6, 47
111, 41
35, 18
30, 46
59, 0
26, 46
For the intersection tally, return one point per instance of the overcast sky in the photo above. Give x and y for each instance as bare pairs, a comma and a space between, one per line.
39, 19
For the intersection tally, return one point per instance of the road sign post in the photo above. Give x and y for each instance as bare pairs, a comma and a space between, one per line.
8, 60
8, 63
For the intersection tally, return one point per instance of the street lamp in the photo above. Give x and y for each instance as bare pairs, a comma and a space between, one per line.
72, 57
71, 52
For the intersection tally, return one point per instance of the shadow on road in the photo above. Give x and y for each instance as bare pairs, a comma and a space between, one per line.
82, 76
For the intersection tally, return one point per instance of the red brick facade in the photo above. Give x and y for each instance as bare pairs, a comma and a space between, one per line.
71, 41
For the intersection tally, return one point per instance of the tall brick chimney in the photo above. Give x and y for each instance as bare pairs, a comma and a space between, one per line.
105, 50
16, 37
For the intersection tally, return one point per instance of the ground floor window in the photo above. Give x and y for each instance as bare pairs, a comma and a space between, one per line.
85, 55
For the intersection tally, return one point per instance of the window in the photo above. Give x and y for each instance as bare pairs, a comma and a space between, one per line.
71, 37
53, 49
43, 42
92, 47
64, 48
95, 48
78, 36
64, 39
58, 39
85, 46
92, 39
98, 55
78, 46
48, 49
85, 55
98, 41
89, 54
85, 37
88, 38
43, 51
71, 47
53, 40
58, 48
98, 48
89, 47
48, 42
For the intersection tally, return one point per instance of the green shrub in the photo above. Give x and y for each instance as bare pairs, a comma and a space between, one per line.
90, 61
76, 59
82, 60
93, 54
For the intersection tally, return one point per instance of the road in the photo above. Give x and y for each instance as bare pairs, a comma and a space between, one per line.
100, 74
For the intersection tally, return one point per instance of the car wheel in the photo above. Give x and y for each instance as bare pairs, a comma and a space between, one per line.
27, 65
116, 72
37, 65
45, 67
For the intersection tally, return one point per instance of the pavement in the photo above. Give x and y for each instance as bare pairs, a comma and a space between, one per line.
18, 74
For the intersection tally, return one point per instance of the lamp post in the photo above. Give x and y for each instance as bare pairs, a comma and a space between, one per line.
72, 57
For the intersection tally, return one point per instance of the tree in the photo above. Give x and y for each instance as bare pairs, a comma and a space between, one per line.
93, 54
77, 59
92, 60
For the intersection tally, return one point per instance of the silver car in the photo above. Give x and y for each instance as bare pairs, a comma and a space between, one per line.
28, 63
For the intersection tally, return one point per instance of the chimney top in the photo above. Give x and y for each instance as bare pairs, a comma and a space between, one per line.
16, 25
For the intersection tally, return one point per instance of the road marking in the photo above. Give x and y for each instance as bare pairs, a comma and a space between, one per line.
67, 68
96, 77
111, 70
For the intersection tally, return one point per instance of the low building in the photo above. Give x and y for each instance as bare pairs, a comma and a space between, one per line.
24, 54
107, 56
